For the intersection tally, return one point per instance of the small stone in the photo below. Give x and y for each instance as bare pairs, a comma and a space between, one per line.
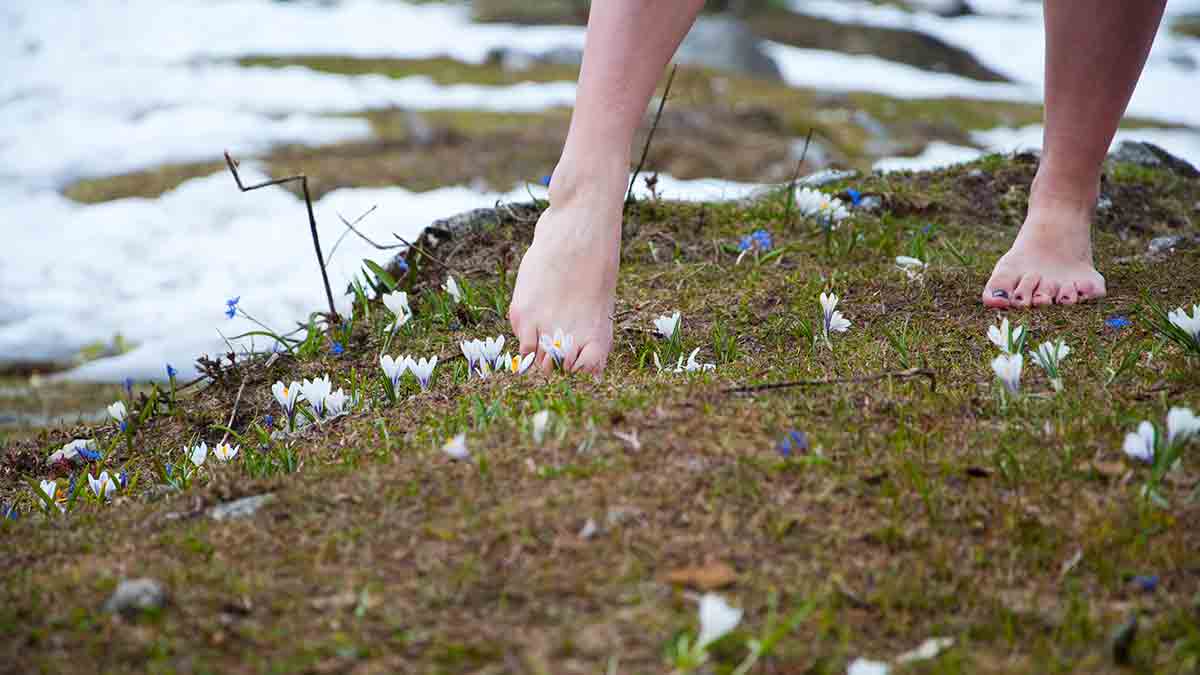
1103, 204
134, 596
871, 203
240, 508
976, 173
827, 176
1172, 242
619, 515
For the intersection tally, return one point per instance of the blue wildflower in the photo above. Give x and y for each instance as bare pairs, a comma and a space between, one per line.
1147, 584
545, 180
759, 240
123, 479
171, 372
128, 384
88, 454
794, 442
855, 196
231, 306
124, 426
71, 485
927, 229
401, 264
337, 349
269, 420
9, 512
1117, 322
169, 467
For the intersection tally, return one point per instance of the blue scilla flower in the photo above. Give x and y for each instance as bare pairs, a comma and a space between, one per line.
124, 426
169, 468
171, 372
269, 420
855, 196
794, 442
1117, 322
123, 479
9, 512
231, 306
763, 239
401, 264
545, 180
337, 349
89, 454
71, 485
1146, 583
128, 384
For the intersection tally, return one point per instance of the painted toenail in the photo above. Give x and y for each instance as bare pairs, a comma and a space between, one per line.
999, 293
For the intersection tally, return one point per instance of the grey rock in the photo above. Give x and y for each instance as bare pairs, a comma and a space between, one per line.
977, 174
827, 176
726, 43
1151, 155
240, 508
133, 596
1103, 204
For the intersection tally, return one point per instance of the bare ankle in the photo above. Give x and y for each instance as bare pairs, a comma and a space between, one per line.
574, 178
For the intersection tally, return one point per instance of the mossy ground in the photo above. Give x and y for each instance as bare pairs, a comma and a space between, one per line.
919, 512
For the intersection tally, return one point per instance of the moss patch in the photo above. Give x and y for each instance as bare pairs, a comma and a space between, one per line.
1015, 529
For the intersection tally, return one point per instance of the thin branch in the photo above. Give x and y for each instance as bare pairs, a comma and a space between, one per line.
796, 176
350, 228
312, 220
420, 250
662, 102
899, 374
233, 414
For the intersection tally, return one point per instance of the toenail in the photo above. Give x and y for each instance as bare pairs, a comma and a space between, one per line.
999, 293
1018, 298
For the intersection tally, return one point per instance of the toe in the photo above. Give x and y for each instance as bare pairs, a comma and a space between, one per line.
999, 290
1067, 295
1089, 289
525, 330
1045, 293
591, 359
1022, 295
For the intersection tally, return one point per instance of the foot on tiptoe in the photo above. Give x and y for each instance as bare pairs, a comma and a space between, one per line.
568, 277
1050, 262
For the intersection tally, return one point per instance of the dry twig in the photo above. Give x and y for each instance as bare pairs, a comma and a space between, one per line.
898, 374
662, 102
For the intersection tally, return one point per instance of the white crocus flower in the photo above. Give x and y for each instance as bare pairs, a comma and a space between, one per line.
456, 448
102, 487
451, 287
50, 489
473, 351
1006, 337
397, 304
667, 326
198, 453
1008, 368
335, 403
538, 424
1188, 324
557, 347
833, 319
717, 618
1049, 356
315, 391
914, 268
832, 211
1140, 445
422, 370
393, 369
287, 395
225, 451
693, 365
1182, 424
491, 351
117, 411
516, 364
808, 201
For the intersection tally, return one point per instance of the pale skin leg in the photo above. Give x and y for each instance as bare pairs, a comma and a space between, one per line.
1095, 51
568, 277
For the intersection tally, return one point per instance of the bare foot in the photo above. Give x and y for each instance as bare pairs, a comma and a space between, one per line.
568, 276
1050, 261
